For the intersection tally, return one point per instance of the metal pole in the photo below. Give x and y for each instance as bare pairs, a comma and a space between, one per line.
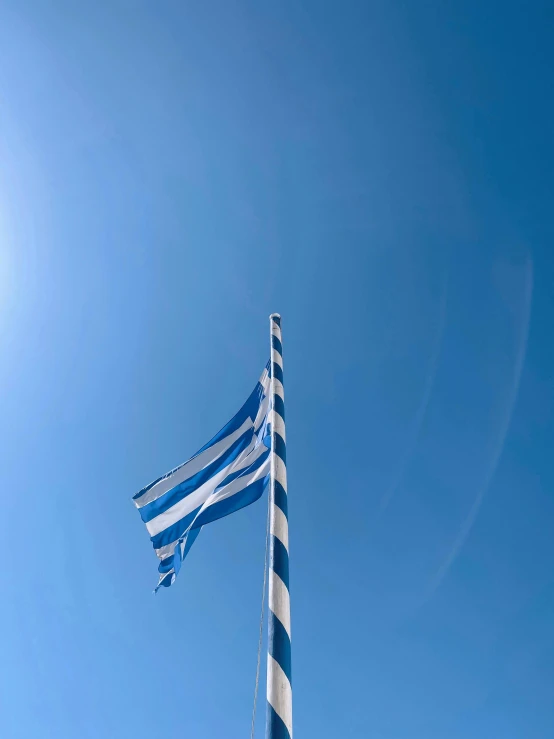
279, 690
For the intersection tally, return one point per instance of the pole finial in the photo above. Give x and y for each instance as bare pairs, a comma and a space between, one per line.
276, 318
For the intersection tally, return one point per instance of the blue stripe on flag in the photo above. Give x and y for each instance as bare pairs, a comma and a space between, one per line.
166, 564
232, 503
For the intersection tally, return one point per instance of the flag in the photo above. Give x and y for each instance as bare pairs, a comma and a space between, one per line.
228, 473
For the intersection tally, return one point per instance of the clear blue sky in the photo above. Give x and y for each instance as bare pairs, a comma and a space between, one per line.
382, 174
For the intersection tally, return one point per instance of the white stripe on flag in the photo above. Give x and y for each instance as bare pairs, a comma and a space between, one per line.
187, 504
194, 465
234, 487
261, 412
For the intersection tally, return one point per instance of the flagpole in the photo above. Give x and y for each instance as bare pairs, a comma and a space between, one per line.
279, 690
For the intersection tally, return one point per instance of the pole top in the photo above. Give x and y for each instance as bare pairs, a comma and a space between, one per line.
276, 318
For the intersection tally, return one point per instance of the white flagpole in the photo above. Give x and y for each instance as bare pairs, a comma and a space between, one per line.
279, 690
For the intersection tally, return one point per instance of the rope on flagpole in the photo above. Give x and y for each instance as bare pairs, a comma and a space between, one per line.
262, 613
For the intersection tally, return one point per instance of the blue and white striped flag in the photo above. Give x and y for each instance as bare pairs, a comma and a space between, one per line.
229, 472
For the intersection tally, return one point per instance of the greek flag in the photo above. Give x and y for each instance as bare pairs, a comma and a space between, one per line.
228, 473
